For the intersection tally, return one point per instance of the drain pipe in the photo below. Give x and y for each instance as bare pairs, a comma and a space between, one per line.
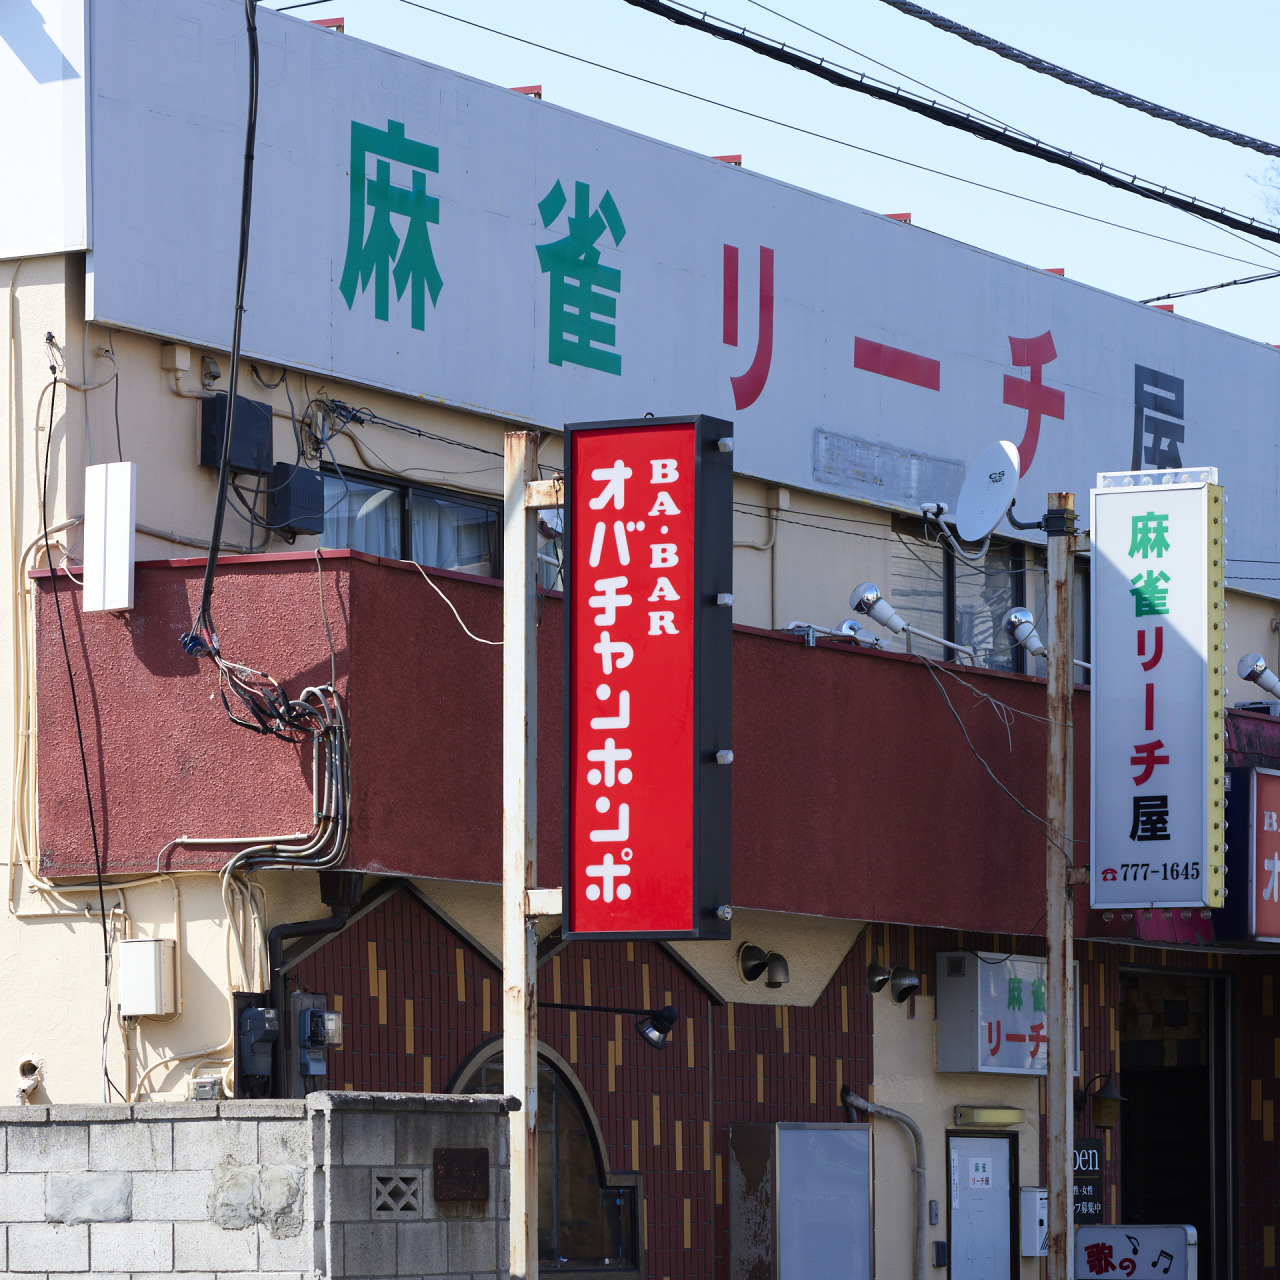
852, 1103
340, 892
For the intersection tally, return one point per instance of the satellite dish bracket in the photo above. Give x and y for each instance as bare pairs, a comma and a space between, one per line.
1022, 524
973, 556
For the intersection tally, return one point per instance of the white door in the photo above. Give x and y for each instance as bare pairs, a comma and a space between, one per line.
980, 1220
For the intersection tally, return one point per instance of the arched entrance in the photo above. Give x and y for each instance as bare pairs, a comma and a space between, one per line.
587, 1216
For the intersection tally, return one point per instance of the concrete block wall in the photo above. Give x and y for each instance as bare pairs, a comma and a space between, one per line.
334, 1185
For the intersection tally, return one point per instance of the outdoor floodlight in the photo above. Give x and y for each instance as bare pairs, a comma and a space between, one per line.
859, 634
752, 961
1253, 667
1020, 625
656, 1027
903, 983
877, 976
867, 599
777, 974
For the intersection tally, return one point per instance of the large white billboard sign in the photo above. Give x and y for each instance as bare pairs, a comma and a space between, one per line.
1157, 717
42, 104
437, 236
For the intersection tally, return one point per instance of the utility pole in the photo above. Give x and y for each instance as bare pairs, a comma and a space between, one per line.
522, 902
1060, 526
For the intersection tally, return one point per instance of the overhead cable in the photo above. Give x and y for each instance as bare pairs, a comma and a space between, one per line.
1004, 136
1209, 288
826, 137
202, 636
1077, 81
848, 48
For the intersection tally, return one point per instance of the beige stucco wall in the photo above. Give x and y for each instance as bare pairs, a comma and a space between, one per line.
1251, 628
905, 1079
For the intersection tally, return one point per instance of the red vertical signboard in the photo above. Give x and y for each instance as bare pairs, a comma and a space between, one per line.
648, 543
1264, 857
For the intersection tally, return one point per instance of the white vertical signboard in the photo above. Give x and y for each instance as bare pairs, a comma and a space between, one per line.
1159, 654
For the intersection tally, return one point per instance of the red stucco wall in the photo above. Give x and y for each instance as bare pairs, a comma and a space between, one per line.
855, 793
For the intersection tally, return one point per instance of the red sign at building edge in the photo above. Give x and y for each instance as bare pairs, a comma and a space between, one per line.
1264, 856
648, 677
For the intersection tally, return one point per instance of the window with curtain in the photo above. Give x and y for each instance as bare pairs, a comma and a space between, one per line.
434, 527
966, 601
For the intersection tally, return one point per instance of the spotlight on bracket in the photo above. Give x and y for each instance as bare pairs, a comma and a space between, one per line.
755, 962
866, 598
1020, 626
903, 983
656, 1027
752, 961
1253, 667
877, 976
860, 635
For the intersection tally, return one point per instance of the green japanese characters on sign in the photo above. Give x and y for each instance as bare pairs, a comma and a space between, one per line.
370, 254
1150, 592
583, 293
1150, 536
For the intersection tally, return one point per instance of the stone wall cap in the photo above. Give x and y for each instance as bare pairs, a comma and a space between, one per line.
24, 1115
97, 1112
184, 1110
262, 1108
431, 1103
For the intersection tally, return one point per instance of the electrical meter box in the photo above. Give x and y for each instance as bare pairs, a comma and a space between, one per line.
146, 978
295, 501
1033, 1221
251, 443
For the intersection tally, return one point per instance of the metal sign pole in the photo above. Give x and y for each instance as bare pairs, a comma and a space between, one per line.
522, 902
520, 842
1059, 924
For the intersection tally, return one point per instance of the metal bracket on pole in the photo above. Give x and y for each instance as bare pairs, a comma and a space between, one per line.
543, 902
540, 494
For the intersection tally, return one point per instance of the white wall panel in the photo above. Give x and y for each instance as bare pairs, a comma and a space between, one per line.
168, 123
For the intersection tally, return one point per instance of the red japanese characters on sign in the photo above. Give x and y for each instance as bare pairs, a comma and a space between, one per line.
635, 624
1264, 898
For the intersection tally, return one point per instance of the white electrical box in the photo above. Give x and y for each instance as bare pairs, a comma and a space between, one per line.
1033, 1221
110, 506
147, 978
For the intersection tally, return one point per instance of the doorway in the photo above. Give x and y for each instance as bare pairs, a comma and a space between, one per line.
1174, 1124
980, 1207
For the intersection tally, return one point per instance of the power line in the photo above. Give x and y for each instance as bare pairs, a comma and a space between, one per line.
839, 142
858, 82
1209, 288
848, 48
1077, 81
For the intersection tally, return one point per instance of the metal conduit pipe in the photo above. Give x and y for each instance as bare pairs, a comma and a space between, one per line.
852, 1103
340, 892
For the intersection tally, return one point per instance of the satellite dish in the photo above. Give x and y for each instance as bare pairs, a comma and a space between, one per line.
988, 491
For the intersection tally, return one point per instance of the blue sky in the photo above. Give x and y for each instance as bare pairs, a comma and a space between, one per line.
1214, 64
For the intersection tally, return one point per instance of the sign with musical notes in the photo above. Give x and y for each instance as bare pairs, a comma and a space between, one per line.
1163, 1253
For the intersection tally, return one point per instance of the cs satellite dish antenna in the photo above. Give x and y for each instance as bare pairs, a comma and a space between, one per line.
985, 499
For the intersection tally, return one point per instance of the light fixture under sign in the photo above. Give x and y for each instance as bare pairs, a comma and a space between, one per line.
989, 1117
